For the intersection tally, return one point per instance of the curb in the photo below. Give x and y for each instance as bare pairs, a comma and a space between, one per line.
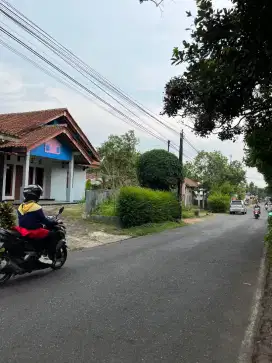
247, 346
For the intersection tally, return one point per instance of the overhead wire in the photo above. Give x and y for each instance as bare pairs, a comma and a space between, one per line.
61, 52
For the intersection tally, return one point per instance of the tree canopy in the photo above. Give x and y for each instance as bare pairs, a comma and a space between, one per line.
119, 158
226, 87
158, 169
213, 171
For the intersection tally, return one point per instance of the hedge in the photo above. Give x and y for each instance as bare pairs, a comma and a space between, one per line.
7, 215
137, 206
218, 203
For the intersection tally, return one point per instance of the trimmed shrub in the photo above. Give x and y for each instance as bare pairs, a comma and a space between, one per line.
159, 170
107, 208
88, 185
218, 203
7, 216
137, 206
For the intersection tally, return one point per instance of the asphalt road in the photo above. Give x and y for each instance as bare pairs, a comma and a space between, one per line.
180, 296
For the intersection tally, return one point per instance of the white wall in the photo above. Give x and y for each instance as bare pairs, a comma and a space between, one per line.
79, 183
58, 182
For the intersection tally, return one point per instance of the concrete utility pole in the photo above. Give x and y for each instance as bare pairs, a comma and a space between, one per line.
180, 181
168, 145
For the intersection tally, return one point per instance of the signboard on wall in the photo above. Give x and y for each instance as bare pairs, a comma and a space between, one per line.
53, 149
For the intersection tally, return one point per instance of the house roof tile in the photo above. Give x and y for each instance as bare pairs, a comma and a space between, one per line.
17, 124
191, 183
35, 137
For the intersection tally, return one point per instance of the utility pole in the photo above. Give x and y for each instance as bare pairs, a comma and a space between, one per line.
180, 181
168, 145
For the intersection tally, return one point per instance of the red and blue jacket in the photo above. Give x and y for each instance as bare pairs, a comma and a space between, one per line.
31, 221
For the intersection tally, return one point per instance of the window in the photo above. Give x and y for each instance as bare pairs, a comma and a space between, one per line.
9, 180
47, 148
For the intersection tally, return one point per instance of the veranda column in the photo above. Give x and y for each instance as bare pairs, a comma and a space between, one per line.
70, 197
26, 170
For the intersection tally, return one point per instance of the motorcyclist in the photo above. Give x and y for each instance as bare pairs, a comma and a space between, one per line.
257, 207
32, 222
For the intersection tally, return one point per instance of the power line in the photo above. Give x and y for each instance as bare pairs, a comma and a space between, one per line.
79, 84
57, 48
57, 52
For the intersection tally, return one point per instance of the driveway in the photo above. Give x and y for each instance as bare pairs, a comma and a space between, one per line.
180, 296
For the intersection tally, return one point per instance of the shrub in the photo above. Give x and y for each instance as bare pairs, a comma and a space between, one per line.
137, 206
7, 216
107, 208
218, 202
159, 170
88, 185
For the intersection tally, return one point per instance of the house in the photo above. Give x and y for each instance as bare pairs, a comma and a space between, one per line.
187, 190
47, 148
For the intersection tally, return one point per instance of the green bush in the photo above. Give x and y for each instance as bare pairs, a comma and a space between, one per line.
107, 208
137, 206
268, 239
7, 216
218, 203
88, 185
158, 170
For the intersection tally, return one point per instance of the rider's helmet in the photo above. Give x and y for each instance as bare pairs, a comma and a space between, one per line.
32, 192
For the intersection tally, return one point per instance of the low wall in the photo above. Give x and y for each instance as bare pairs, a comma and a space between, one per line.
96, 197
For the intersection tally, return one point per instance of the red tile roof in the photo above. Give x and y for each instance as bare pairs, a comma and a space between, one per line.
191, 183
36, 137
17, 124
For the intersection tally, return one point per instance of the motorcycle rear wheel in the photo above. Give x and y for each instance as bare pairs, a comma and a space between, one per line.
4, 277
60, 258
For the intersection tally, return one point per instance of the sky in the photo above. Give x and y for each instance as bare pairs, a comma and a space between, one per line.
129, 44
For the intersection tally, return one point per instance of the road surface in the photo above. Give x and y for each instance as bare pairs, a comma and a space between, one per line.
181, 296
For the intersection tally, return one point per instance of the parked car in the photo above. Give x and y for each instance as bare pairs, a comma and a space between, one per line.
238, 207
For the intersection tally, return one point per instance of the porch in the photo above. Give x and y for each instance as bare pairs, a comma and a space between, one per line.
62, 181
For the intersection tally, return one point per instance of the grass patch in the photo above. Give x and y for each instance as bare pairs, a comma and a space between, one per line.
107, 208
74, 211
151, 228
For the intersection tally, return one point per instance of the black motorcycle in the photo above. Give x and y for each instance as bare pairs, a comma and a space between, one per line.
18, 256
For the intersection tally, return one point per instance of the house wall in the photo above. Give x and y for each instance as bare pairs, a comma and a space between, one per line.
2, 160
79, 183
58, 181
53, 149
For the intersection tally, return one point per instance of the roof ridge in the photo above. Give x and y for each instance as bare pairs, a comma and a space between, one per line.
61, 109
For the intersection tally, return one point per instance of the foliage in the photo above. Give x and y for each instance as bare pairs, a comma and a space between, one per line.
213, 170
268, 238
158, 169
138, 206
107, 208
88, 185
118, 159
226, 87
218, 202
7, 216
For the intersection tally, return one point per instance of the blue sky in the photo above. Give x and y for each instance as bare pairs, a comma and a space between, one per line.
128, 43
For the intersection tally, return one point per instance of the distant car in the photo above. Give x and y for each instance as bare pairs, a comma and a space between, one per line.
238, 207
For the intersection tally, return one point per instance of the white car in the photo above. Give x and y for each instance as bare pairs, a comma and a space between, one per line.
237, 207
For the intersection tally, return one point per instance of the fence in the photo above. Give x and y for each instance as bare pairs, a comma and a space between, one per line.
96, 197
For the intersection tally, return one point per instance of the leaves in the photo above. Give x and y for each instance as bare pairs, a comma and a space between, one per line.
214, 172
119, 157
226, 87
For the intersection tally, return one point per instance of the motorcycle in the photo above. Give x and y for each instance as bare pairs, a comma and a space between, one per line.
18, 257
257, 213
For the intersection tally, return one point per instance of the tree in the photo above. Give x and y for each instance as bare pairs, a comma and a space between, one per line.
213, 171
119, 158
226, 87
156, 2
158, 169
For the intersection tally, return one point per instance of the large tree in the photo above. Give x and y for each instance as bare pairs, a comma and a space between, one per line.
226, 87
158, 169
119, 158
213, 171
